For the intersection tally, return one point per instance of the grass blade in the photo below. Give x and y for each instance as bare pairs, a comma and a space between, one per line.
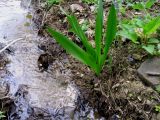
79, 32
98, 30
72, 48
110, 33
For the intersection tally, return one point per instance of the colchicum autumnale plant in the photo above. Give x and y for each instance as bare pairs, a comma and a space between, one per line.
93, 57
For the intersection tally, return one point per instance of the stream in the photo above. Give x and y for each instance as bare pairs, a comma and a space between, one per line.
34, 93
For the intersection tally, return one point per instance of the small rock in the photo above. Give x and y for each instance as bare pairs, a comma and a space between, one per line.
76, 7
150, 66
138, 13
81, 21
82, 75
130, 59
92, 8
148, 102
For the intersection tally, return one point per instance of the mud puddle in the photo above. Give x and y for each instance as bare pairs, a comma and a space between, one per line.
35, 94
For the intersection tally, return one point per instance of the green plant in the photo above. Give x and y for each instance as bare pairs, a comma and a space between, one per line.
1, 115
135, 5
93, 57
157, 108
142, 30
143, 5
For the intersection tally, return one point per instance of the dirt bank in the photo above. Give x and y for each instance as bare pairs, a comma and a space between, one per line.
117, 93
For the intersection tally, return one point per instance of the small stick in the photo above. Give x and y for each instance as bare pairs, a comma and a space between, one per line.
10, 44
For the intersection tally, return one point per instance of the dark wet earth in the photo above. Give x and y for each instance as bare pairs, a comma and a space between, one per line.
26, 92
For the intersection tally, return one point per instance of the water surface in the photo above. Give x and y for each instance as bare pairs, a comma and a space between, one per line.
45, 89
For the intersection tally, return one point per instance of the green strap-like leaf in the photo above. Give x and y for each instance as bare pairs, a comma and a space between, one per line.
99, 29
110, 33
152, 26
72, 48
79, 32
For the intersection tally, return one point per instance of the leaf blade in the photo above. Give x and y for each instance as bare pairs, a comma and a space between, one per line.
72, 48
110, 32
79, 32
98, 30
129, 35
149, 48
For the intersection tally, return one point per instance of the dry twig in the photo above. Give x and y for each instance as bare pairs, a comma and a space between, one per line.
10, 44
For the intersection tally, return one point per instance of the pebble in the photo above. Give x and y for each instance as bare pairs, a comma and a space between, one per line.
76, 7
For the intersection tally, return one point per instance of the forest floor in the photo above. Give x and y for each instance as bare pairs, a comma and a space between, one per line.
118, 93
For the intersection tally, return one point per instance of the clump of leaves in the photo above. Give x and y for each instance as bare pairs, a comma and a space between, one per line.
93, 57
142, 29
2, 115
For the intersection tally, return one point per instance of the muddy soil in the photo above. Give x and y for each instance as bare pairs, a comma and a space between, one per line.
117, 93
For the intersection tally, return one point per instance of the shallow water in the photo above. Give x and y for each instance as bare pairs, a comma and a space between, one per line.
44, 89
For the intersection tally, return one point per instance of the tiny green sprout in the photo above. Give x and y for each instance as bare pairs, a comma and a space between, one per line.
157, 108
1, 115
130, 95
95, 58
